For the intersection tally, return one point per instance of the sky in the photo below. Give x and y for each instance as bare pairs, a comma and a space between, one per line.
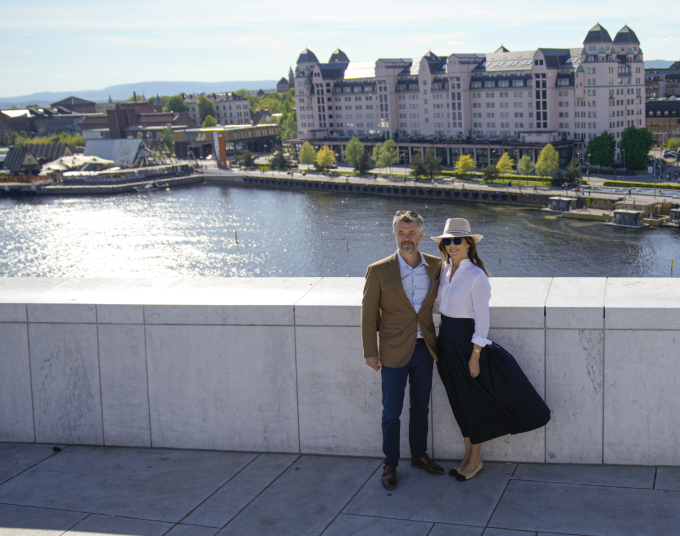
75, 45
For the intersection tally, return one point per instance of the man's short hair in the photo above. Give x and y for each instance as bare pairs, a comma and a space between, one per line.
408, 217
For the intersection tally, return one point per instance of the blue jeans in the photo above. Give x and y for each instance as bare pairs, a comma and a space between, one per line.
418, 371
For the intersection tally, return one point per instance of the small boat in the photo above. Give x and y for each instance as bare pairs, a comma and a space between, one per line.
152, 186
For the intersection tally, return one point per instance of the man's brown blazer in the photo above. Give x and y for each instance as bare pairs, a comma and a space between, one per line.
389, 323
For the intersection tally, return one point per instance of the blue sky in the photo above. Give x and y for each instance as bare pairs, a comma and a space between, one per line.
76, 45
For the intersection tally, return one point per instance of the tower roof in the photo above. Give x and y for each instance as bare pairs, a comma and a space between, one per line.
501, 49
626, 35
598, 34
307, 56
338, 56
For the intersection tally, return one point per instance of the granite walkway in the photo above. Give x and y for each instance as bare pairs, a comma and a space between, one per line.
153, 492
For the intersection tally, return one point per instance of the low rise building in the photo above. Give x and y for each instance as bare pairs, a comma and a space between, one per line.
76, 104
224, 142
230, 108
663, 118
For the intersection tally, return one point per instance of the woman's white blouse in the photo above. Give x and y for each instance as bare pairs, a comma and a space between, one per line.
466, 295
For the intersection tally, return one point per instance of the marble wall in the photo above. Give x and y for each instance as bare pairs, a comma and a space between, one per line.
274, 365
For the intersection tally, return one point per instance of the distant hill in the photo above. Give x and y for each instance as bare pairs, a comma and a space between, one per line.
124, 91
658, 64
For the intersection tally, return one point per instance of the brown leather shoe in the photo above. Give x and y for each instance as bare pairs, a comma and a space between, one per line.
389, 477
428, 464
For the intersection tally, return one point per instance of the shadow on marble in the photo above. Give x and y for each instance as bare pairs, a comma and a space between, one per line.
592, 510
305, 499
24, 459
153, 484
621, 476
439, 499
668, 478
97, 525
23, 520
349, 525
232, 497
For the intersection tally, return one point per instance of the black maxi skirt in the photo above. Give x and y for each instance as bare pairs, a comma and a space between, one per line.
500, 400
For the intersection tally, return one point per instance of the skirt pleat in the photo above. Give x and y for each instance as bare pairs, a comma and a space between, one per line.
500, 400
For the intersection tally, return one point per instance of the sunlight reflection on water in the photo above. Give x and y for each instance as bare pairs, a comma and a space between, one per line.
190, 232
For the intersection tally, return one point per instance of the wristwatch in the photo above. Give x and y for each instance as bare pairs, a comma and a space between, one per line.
477, 350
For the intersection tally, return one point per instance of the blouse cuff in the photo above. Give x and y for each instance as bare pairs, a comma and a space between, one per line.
481, 341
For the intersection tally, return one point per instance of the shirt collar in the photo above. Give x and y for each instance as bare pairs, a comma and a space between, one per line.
403, 263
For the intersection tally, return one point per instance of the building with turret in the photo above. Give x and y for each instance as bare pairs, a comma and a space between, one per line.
479, 104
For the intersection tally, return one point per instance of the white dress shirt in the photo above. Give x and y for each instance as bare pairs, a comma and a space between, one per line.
466, 296
416, 282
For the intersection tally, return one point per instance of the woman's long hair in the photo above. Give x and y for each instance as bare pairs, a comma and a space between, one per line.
473, 255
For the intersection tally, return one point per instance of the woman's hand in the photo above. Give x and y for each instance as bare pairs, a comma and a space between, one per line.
474, 365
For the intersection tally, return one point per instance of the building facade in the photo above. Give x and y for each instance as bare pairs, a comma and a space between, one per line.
662, 83
230, 108
663, 119
562, 96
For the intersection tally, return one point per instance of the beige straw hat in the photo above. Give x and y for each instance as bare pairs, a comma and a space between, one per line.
457, 227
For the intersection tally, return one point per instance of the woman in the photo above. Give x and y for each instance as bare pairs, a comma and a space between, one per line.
489, 394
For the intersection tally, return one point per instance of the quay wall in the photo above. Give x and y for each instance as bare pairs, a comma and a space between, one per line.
423, 190
275, 365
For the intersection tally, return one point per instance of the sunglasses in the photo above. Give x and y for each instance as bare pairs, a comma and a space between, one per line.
456, 241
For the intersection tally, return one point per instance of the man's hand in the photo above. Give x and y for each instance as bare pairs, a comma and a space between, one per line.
374, 362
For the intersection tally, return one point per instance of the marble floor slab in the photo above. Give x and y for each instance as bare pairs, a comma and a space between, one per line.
305, 499
97, 525
441, 529
232, 497
621, 476
591, 510
191, 530
348, 525
668, 478
9, 449
28, 521
24, 459
423, 497
153, 484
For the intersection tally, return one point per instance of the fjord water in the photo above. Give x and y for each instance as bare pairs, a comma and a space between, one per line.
191, 232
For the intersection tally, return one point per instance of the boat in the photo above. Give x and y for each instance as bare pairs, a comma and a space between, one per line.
153, 186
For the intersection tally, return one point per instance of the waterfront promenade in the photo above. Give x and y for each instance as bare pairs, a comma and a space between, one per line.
151, 492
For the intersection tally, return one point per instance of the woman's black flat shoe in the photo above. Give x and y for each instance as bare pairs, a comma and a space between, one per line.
462, 477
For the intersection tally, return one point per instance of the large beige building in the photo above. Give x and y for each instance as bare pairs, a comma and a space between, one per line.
500, 99
230, 108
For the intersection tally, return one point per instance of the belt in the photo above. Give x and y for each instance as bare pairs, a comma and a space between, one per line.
420, 339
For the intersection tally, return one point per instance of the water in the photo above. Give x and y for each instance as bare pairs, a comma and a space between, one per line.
190, 232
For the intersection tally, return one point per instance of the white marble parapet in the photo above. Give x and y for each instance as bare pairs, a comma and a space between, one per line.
275, 365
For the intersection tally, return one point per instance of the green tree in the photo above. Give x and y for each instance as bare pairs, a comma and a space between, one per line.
389, 155
548, 161
573, 170
209, 121
417, 166
464, 165
175, 104
505, 164
490, 173
166, 136
287, 126
164, 100
325, 158
247, 160
525, 165
556, 178
307, 154
601, 150
432, 164
205, 107
354, 155
278, 159
7, 139
673, 143
635, 144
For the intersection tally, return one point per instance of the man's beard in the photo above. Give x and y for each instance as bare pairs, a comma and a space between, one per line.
411, 248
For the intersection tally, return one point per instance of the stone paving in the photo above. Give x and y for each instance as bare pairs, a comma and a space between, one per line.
153, 492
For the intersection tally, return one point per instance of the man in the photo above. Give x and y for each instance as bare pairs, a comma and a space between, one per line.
399, 340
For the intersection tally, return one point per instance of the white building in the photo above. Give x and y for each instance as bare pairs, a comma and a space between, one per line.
541, 95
